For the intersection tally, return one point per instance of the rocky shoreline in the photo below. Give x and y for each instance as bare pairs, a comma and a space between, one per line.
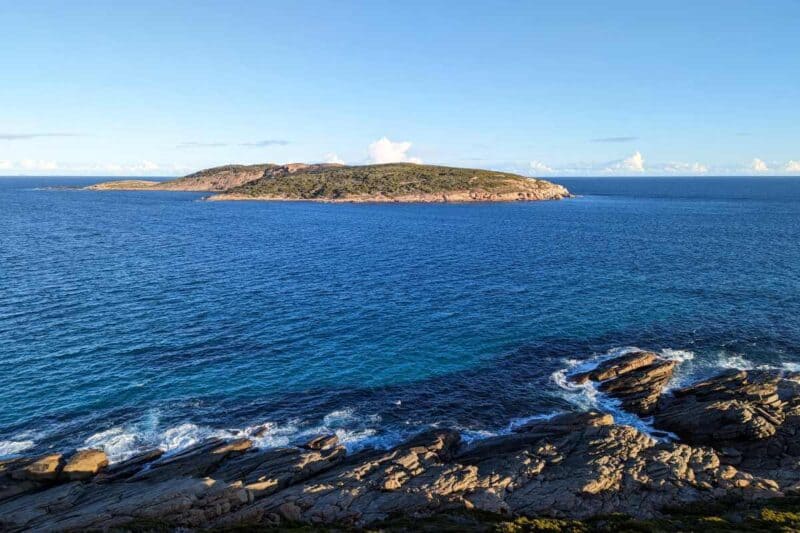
733, 437
466, 196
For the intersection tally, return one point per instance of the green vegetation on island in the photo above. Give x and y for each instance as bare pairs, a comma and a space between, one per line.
393, 182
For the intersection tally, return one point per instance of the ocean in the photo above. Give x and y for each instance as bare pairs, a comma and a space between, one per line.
130, 320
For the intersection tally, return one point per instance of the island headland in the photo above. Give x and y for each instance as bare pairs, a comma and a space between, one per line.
395, 182
727, 446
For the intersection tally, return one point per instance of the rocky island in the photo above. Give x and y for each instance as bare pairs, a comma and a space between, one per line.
396, 182
724, 453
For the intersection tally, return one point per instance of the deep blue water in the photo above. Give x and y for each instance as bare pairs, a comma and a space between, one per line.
131, 319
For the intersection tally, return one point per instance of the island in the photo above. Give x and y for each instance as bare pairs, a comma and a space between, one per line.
719, 454
394, 182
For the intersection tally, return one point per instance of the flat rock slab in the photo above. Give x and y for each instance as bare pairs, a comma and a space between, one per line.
85, 464
45, 468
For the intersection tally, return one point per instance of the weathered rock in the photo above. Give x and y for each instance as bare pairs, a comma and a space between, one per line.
573, 465
636, 379
362, 491
196, 461
84, 464
752, 418
129, 467
322, 442
733, 407
616, 366
45, 468
10, 485
264, 472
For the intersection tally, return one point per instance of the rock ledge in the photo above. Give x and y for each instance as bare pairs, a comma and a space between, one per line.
739, 434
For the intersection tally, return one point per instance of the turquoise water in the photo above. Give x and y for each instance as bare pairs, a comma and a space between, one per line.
132, 319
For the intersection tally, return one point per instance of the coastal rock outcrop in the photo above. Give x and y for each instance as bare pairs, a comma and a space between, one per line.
751, 417
738, 436
85, 464
636, 379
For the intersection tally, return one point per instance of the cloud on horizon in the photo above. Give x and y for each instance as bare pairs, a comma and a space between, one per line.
759, 166
45, 167
333, 158
685, 168
634, 163
537, 167
385, 151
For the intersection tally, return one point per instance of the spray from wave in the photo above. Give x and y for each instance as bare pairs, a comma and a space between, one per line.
354, 432
9, 448
585, 396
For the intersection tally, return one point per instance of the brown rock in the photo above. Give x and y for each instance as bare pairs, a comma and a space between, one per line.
573, 465
196, 461
732, 407
322, 442
636, 379
129, 467
45, 468
612, 368
84, 464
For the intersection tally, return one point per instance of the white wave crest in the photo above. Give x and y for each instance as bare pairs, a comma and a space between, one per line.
10, 448
585, 396
354, 432
677, 355
734, 361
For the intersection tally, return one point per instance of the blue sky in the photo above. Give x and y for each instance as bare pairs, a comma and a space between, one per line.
546, 88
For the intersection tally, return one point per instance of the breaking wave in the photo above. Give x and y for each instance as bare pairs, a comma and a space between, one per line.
356, 431
123, 442
586, 396
9, 448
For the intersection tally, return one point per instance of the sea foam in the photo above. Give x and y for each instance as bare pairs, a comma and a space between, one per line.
10, 448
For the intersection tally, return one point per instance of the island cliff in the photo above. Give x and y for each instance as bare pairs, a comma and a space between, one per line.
396, 182
728, 445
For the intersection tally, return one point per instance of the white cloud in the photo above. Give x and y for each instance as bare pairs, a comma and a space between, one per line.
539, 167
758, 165
32, 164
333, 158
685, 168
385, 151
634, 163
792, 166
145, 166
42, 167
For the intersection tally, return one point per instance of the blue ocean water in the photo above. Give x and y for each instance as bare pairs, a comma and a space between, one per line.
135, 319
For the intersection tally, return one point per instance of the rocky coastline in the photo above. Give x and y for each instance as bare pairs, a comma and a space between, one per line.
733, 437
456, 196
